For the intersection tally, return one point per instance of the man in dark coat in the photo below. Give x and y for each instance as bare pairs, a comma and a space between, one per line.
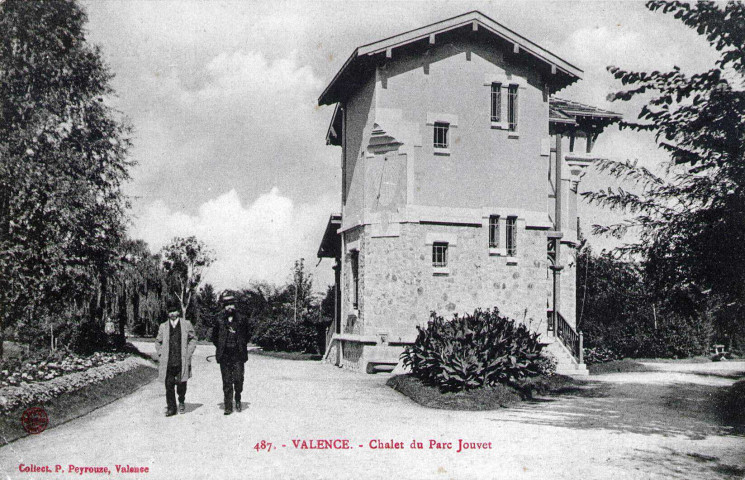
230, 336
175, 344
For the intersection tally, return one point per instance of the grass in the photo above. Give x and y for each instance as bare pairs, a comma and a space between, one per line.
487, 398
75, 404
286, 355
698, 359
617, 366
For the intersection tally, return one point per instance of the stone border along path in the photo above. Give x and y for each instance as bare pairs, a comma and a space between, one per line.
309, 400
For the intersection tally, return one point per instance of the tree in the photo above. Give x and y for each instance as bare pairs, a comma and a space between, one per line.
62, 164
208, 311
140, 289
185, 260
691, 220
301, 288
328, 304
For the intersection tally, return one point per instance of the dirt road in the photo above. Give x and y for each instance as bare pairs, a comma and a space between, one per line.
296, 401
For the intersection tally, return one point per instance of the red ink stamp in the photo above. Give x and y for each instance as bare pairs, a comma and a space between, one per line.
35, 420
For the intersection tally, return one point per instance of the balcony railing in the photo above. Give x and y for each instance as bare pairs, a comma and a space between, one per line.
567, 335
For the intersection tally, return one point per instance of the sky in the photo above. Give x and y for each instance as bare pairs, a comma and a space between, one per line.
230, 142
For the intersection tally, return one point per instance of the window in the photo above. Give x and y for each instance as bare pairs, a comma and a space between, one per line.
496, 102
512, 108
494, 231
440, 254
511, 236
355, 278
441, 134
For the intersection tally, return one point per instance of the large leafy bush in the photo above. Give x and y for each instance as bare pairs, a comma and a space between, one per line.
473, 351
283, 334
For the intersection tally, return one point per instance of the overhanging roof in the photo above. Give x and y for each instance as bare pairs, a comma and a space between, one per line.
331, 241
577, 109
360, 62
570, 113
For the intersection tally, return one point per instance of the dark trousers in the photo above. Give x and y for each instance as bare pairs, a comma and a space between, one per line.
173, 377
232, 371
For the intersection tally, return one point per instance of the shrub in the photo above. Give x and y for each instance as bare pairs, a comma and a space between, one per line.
546, 364
472, 351
282, 333
597, 355
625, 365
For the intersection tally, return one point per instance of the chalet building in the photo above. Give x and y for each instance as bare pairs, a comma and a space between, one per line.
460, 169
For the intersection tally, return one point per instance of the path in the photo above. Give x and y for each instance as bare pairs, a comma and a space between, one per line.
308, 400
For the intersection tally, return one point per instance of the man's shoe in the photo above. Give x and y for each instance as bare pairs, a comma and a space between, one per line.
228, 411
170, 412
238, 406
181, 407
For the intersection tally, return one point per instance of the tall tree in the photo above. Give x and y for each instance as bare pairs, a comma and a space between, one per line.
185, 260
62, 164
301, 288
690, 220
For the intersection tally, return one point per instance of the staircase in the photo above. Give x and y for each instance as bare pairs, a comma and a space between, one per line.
567, 348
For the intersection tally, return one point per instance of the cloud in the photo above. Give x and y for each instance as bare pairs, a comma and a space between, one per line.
250, 124
256, 242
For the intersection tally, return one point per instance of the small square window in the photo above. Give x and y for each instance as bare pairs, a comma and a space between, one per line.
494, 231
441, 135
440, 254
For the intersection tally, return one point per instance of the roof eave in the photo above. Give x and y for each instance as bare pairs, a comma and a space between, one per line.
557, 64
324, 98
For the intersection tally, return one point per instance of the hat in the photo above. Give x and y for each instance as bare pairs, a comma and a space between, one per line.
227, 298
173, 307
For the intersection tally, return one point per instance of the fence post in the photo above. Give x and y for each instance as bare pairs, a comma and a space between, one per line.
581, 348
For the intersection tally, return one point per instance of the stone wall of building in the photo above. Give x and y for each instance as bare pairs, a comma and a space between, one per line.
351, 355
401, 286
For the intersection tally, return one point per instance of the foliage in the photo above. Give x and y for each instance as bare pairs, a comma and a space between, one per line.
473, 351
284, 334
184, 260
301, 288
280, 320
140, 290
617, 366
62, 164
487, 398
595, 355
691, 220
207, 311
620, 317
611, 294
546, 364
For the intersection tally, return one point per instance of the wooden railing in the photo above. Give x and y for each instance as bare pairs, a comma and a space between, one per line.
567, 335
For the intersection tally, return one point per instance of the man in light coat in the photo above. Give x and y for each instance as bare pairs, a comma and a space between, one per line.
175, 345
